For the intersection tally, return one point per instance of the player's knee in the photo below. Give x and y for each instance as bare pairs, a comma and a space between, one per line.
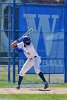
21, 74
37, 71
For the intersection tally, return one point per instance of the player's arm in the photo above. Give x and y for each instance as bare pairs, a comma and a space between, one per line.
16, 46
18, 49
14, 43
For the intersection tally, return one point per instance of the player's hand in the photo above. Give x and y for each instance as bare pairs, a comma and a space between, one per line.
14, 43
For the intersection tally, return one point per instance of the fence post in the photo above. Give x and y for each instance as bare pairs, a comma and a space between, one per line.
9, 35
65, 42
13, 40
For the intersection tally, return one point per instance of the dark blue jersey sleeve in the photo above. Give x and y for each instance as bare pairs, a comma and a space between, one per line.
18, 49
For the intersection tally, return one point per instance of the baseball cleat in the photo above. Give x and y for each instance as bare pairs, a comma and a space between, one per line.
46, 85
18, 87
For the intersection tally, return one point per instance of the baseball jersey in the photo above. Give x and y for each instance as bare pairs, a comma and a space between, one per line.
29, 50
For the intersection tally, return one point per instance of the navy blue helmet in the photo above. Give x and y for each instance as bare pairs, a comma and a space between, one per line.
26, 38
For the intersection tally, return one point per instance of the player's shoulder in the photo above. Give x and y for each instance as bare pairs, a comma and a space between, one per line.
20, 44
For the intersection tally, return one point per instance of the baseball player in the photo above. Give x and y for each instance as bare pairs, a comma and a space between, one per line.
33, 59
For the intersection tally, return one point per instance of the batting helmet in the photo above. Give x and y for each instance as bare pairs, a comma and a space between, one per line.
26, 38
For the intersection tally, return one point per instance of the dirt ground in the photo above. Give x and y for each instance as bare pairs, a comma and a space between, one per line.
33, 91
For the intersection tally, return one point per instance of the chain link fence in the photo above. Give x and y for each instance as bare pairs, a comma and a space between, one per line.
6, 31
6, 28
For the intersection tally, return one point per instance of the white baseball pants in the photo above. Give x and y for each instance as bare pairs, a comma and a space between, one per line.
30, 63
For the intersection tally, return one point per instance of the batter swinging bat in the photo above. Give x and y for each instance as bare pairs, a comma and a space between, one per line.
28, 32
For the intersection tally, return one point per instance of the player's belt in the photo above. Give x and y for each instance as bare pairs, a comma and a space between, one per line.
33, 57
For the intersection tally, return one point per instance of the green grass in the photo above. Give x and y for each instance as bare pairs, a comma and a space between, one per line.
7, 84
63, 85
31, 79
34, 96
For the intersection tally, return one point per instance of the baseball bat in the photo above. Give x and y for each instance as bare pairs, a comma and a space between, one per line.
28, 32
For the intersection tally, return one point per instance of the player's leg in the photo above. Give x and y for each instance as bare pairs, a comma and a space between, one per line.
37, 62
19, 81
28, 64
44, 80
